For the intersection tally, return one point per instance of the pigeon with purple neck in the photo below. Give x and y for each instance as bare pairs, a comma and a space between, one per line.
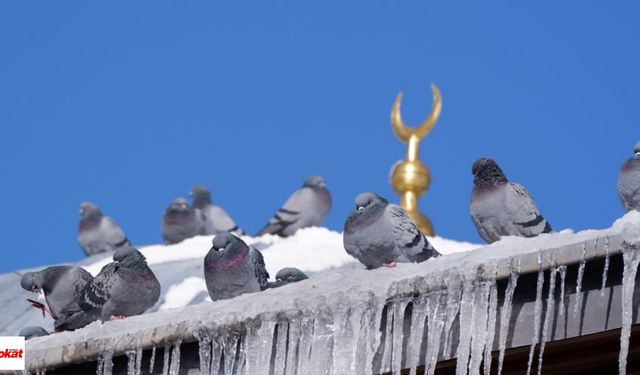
629, 181
232, 268
61, 286
124, 287
502, 208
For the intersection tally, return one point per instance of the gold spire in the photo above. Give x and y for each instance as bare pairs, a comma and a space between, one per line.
410, 178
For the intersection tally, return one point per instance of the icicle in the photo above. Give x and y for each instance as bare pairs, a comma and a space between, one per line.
131, 362
388, 343
418, 316
454, 294
242, 357
479, 327
491, 326
536, 314
216, 356
347, 332
304, 347
563, 275
436, 305
505, 316
397, 336
292, 351
204, 351
631, 257
152, 360
166, 355
230, 347
369, 337
322, 344
175, 359
99, 366
548, 315
281, 348
466, 325
606, 266
259, 344
578, 306
108, 362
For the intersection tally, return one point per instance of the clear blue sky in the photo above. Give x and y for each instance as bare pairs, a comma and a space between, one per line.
130, 104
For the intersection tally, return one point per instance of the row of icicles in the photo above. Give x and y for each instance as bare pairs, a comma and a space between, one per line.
368, 338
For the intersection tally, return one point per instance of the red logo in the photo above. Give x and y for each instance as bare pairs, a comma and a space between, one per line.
11, 353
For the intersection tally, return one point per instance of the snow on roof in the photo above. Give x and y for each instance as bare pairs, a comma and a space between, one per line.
179, 269
328, 293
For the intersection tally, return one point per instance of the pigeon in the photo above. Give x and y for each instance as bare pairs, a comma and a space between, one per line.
31, 332
181, 222
307, 207
629, 181
98, 233
502, 208
232, 268
216, 220
124, 287
286, 276
378, 233
61, 287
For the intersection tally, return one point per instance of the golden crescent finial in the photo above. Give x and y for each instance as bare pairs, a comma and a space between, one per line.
402, 131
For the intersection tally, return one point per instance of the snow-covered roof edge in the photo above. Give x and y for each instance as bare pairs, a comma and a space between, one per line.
342, 288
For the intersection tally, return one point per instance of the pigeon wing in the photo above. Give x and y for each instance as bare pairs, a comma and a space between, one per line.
288, 214
260, 268
409, 240
524, 212
98, 291
116, 237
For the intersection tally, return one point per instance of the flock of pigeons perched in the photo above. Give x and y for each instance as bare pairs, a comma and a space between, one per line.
376, 233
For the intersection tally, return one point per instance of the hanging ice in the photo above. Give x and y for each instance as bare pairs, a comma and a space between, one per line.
491, 327
436, 317
578, 305
418, 315
606, 266
631, 257
536, 314
548, 315
397, 337
563, 275
479, 324
505, 316
466, 326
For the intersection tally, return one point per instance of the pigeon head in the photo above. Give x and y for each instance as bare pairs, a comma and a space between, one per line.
636, 150
369, 207
31, 332
88, 209
200, 195
227, 251
32, 282
290, 274
179, 205
314, 182
128, 256
487, 172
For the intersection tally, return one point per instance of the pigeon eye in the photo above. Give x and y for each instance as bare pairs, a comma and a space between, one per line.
360, 208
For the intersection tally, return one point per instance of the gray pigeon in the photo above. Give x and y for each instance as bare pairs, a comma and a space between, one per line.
286, 276
378, 233
98, 233
125, 287
501, 208
629, 181
232, 268
61, 287
307, 207
31, 332
216, 220
181, 222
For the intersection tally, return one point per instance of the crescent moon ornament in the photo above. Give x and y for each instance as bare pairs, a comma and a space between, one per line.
410, 178
403, 132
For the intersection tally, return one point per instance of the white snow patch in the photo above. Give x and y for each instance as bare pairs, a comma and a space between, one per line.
179, 295
310, 249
